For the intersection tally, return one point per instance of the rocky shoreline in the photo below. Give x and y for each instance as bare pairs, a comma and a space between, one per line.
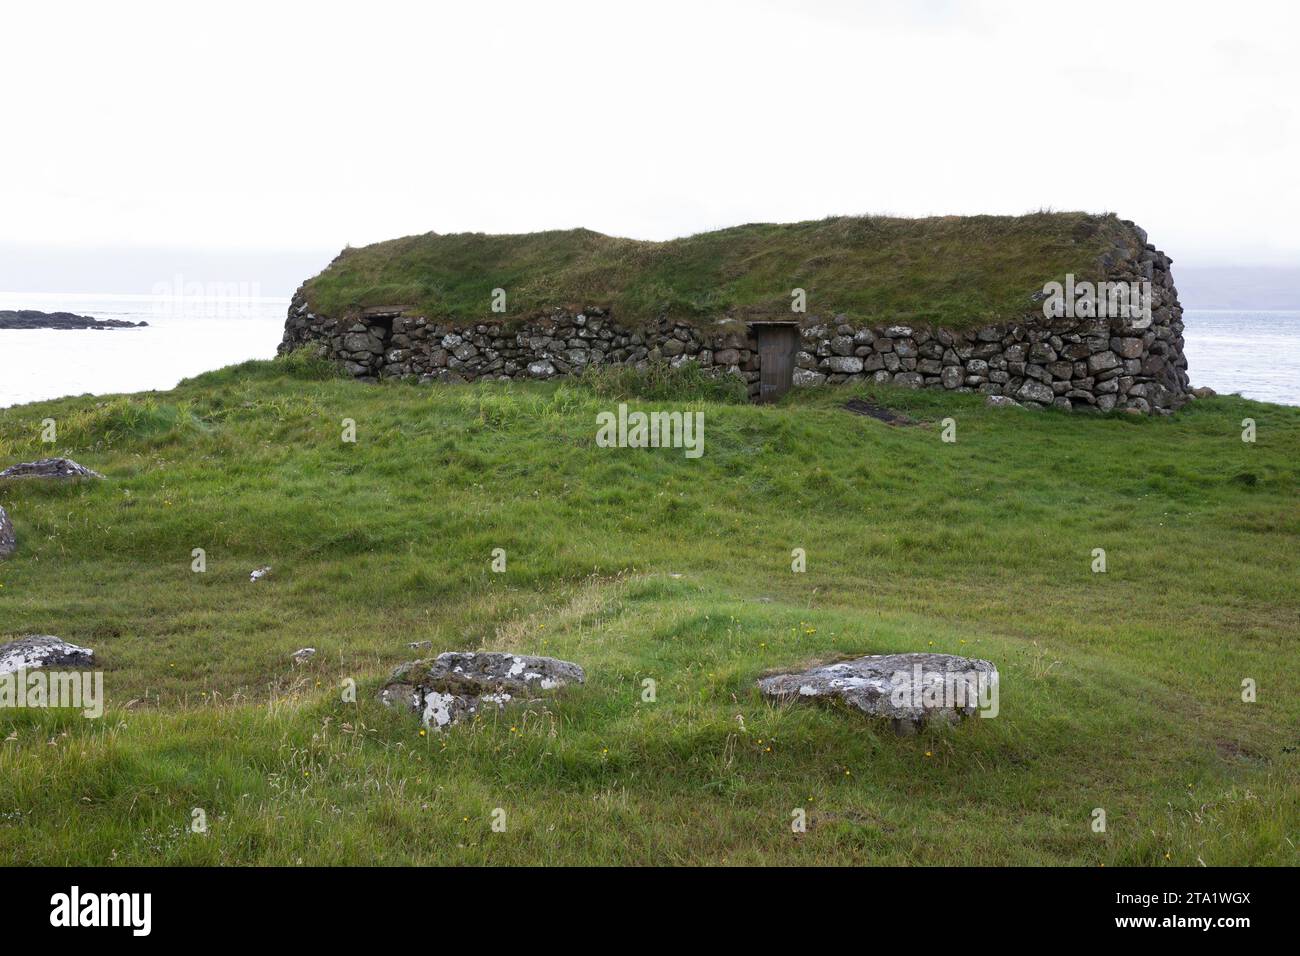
32, 319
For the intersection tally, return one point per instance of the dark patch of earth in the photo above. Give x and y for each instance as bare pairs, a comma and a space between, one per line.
859, 407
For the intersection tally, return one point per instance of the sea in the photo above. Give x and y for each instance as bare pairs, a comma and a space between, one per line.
1256, 354
186, 335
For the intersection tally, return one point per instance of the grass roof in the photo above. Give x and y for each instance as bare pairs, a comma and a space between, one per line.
952, 270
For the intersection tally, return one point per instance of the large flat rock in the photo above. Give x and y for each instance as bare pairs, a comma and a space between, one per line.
457, 684
908, 689
48, 468
42, 650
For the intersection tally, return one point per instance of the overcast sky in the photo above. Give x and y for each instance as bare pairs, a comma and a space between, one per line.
290, 130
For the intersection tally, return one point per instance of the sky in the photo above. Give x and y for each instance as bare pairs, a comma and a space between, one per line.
250, 141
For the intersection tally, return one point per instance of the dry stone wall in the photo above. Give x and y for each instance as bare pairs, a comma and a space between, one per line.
1078, 363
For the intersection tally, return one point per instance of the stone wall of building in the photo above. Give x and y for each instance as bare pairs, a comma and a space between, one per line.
1082, 363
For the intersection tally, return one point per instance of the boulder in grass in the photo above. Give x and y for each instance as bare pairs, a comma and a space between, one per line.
42, 650
48, 468
8, 541
907, 689
457, 684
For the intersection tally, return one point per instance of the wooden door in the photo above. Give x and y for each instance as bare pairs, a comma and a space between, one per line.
777, 345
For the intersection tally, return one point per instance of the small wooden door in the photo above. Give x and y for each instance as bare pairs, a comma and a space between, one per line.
777, 345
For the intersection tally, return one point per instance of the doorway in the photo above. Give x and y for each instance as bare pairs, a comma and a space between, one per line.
777, 345
380, 320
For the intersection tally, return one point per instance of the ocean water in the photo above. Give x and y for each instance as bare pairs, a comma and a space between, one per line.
186, 335
1254, 353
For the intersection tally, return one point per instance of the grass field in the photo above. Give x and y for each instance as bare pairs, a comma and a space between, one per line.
958, 271
1119, 691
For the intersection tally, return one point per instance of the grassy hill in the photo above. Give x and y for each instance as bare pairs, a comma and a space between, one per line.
961, 271
1119, 690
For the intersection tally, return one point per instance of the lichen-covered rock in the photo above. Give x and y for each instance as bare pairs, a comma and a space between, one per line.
1032, 391
49, 468
480, 672
8, 540
908, 689
457, 684
42, 650
844, 364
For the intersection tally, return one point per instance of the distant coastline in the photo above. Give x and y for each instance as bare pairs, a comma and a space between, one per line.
33, 319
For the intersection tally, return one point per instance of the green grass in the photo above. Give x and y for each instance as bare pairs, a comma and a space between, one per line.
956, 271
1119, 690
